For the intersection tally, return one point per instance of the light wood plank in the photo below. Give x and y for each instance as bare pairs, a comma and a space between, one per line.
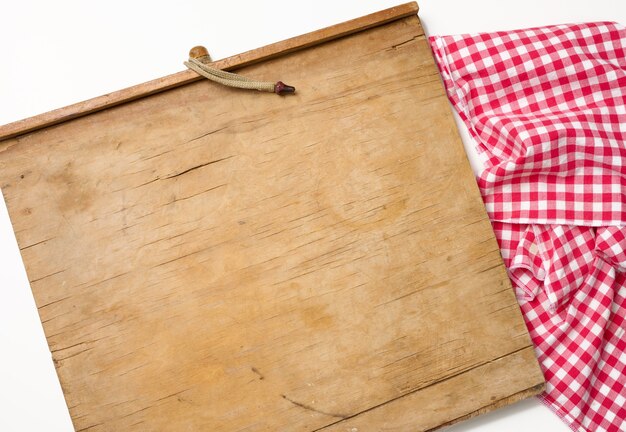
213, 259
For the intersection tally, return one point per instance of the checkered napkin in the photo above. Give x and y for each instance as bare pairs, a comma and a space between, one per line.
546, 108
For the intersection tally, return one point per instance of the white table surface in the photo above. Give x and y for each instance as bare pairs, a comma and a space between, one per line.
55, 53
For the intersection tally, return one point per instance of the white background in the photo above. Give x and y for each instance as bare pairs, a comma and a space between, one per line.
55, 53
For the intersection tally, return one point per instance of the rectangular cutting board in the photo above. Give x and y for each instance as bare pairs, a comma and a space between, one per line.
212, 259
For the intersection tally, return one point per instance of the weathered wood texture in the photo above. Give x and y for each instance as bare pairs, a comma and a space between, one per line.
209, 259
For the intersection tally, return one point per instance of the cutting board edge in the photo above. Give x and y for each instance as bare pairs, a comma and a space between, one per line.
516, 397
60, 115
394, 410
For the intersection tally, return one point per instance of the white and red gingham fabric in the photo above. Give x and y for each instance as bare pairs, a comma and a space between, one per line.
546, 108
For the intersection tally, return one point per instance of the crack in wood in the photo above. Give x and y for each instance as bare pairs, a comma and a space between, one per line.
194, 195
47, 276
206, 134
408, 41
37, 243
310, 408
172, 395
74, 355
197, 167
89, 427
53, 302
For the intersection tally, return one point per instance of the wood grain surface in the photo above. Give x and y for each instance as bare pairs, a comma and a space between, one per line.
210, 259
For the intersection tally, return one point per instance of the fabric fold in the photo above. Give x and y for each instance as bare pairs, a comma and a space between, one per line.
546, 108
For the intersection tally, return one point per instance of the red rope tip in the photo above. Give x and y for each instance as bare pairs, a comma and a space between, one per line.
280, 88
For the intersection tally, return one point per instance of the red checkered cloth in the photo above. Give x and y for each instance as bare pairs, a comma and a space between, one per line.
546, 108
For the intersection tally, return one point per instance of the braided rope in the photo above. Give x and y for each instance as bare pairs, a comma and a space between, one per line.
229, 79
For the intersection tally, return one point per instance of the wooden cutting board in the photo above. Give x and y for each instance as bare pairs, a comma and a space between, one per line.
211, 259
